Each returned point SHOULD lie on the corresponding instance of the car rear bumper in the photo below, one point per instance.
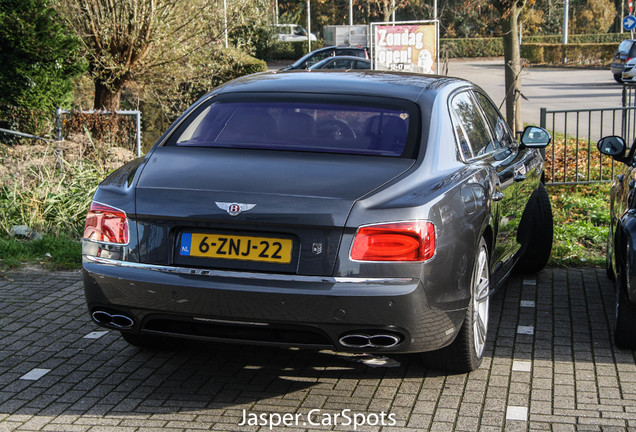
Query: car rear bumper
(344, 314)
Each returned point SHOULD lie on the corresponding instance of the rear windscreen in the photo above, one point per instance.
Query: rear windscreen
(300, 126)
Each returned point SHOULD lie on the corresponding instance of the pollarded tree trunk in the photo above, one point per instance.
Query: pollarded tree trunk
(512, 57)
(107, 97)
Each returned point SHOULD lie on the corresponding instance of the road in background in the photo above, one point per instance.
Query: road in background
(544, 87)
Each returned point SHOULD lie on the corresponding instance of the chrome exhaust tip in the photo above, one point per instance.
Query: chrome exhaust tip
(118, 321)
(363, 340)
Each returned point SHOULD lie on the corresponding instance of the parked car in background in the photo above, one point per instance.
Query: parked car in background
(323, 53)
(621, 256)
(626, 51)
(363, 212)
(292, 33)
(629, 73)
(342, 62)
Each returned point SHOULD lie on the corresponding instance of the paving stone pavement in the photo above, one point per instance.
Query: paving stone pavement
(550, 366)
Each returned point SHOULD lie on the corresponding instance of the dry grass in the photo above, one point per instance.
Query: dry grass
(48, 186)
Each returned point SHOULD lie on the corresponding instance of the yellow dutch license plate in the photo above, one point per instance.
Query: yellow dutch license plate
(247, 248)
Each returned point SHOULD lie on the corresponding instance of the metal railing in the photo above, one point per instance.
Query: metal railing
(573, 158)
(58, 117)
(59, 112)
(23, 135)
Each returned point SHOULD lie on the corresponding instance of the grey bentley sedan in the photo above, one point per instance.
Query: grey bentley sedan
(363, 212)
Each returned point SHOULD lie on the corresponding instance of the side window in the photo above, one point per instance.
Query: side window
(498, 125)
(317, 57)
(340, 64)
(469, 119)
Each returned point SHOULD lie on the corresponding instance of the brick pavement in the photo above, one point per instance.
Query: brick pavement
(550, 366)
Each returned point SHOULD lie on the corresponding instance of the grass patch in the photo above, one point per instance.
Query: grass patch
(52, 252)
(48, 187)
(581, 221)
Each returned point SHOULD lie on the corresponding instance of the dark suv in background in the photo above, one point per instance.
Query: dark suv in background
(322, 53)
(626, 51)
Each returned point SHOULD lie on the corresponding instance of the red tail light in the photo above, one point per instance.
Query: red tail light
(400, 241)
(106, 224)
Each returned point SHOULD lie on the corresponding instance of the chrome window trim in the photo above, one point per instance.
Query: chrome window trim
(245, 275)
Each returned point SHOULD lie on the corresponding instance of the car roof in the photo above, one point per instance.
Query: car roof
(344, 57)
(350, 82)
(339, 57)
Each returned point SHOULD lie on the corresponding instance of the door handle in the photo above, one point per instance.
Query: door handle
(519, 178)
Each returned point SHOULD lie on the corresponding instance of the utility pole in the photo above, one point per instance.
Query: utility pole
(309, 25)
(225, 20)
(566, 14)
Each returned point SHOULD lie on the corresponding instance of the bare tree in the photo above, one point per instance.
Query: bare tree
(387, 7)
(127, 39)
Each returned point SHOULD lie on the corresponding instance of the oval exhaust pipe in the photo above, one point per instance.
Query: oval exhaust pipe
(361, 340)
(112, 320)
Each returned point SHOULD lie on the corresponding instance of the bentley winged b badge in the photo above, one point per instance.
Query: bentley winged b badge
(234, 209)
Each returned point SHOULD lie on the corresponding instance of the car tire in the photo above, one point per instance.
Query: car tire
(625, 324)
(466, 352)
(618, 78)
(536, 232)
(152, 341)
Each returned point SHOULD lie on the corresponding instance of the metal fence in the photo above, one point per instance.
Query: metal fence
(573, 157)
(59, 126)
(60, 112)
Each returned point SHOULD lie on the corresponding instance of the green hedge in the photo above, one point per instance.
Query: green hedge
(473, 47)
(587, 49)
(590, 49)
(578, 39)
(593, 54)
(233, 63)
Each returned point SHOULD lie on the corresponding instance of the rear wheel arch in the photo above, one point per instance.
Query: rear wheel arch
(489, 237)
(466, 352)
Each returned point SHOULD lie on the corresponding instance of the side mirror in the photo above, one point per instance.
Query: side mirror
(613, 146)
(535, 137)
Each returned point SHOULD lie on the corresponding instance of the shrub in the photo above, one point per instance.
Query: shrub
(598, 54)
(474, 47)
(279, 50)
(539, 47)
(39, 57)
(49, 187)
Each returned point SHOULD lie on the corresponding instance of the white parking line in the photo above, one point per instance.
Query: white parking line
(521, 366)
(35, 374)
(525, 330)
(95, 334)
(517, 413)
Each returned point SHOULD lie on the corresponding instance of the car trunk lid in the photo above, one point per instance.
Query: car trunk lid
(248, 197)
